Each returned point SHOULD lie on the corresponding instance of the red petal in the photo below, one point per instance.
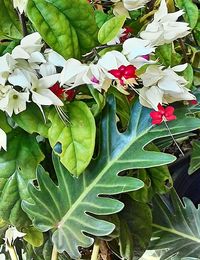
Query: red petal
(129, 72)
(116, 73)
(193, 102)
(71, 93)
(122, 68)
(156, 115)
(157, 121)
(170, 118)
(161, 109)
(169, 111)
(57, 90)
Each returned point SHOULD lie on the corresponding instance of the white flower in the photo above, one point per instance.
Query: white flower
(119, 9)
(52, 60)
(72, 73)
(3, 140)
(163, 86)
(134, 4)
(136, 49)
(20, 4)
(41, 94)
(112, 60)
(14, 101)
(7, 64)
(29, 48)
(122, 8)
(164, 28)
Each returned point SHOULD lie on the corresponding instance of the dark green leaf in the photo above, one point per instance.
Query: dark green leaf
(195, 157)
(176, 229)
(68, 27)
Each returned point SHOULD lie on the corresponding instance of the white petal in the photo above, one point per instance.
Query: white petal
(180, 68)
(3, 140)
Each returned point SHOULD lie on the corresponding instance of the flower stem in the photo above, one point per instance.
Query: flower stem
(12, 252)
(95, 250)
(54, 255)
(182, 45)
(23, 23)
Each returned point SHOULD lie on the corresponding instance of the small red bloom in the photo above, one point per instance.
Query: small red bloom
(57, 90)
(126, 34)
(63, 93)
(124, 72)
(193, 102)
(163, 114)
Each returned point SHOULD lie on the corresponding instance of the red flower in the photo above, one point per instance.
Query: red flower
(163, 114)
(126, 34)
(57, 90)
(63, 93)
(124, 72)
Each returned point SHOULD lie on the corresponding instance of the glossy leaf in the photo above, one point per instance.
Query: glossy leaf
(176, 228)
(64, 208)
(110, 29)
(191, 11)
(17, 166)
(32, 121)
(68, 27)
(9, 23)
(76, 139)
(167, 56)
(33, 236)
(195, 157)
(3, 123)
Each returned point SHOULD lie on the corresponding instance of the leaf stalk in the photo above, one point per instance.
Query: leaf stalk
(95, 251)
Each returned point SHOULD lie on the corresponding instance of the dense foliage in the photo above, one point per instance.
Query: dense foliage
(97, 99)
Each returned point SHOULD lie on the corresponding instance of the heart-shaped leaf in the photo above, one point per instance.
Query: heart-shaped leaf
(68, 27)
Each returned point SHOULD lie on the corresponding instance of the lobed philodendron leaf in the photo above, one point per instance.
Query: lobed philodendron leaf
(66, 208)
(176, 228)
(74, 142)
(17, 166)
(68, 27)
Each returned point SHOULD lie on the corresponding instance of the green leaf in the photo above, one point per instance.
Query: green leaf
(32, 121)
(33, 236)
(188, 75)
(99, 101)
(9, 24)
(195, 157)
(110, 29)
(123, 106)
(3, 123)
(167, 56)
(136, 218)
(68, 27)
(62, 208)
(191, 11)
(176, 228)
(17, 166)
(101, 17)
(76, 139)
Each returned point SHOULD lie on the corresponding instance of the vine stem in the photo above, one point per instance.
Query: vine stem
(54, 255)
(95, 250)
(12, 252)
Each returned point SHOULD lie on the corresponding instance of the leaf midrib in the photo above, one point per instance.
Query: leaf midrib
(96, 180)
(175, 232)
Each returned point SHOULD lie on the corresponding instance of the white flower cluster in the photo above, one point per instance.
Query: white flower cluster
(27, 74)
